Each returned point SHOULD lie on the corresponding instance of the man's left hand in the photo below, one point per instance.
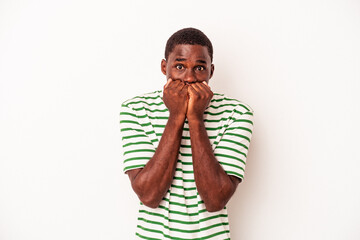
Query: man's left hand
(199, 98)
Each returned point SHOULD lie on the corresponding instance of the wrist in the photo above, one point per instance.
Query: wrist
(177, 119)
(195, 118)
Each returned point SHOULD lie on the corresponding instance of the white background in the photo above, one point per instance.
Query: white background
(66, 67)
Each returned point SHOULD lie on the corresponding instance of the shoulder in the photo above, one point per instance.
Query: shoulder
(144, 99)
(230, 103)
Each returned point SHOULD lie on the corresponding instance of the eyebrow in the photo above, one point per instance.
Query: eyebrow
(184, 59)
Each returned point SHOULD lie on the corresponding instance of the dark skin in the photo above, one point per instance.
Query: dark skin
(186, 95)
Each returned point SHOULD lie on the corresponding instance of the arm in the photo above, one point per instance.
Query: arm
(153, 181)
(214, 185)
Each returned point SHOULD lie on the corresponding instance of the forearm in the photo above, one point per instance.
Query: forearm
(214, 185)
(154, 180)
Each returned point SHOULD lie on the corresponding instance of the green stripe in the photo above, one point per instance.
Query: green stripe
(149, 104)
(182, 187)
(209, 128)
(126, 103)
(159, 117)
(182, 230)
(185, 146)
(237, 143)
(133, 167)
(216, 120)
(137, 158)
(150, 110)
(228, 156)
(182, 213)
(182, 196)
(185, 154)
(243, 113)
(137, 130)
(136, 143)
(184, 180)
(144, 237)
(134, 122)
(218, 113)
(159, 126)
(185, 163)
(128, 113)
(237, 135)
(184, 171)
(145, 116)
(139, 150)
(242, 128)
(183, 205)
(224, 105)
(129, 121)
(180, 221)
(131, 129)
(176, 238)
(231, 149)
(134, 136)
(231, 165)
(244, 120)
(235, 173)
(230, 99)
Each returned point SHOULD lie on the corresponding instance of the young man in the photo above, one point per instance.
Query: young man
(185, 147)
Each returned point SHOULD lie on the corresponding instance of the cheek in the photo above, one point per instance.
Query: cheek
(174, 74)
(204, 75)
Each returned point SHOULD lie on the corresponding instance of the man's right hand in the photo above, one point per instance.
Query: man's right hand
(160, 169)
(176, 98)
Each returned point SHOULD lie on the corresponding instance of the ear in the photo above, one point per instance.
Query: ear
(212, 70)
(163, 66)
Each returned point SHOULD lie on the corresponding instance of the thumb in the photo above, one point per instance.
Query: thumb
(168, 82)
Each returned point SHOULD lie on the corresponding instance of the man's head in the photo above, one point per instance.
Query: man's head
(188, 56)
(190, 36)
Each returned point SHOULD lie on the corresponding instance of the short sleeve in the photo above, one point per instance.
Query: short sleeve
(137, 146)
(232, 149)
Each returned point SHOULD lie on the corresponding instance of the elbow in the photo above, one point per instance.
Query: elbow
(150, 202)
(218, 200)
(150, 199)
(214, 206)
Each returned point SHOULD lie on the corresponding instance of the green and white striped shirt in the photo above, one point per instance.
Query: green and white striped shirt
(182, 213)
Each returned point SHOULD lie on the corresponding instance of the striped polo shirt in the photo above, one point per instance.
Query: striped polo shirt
(182, 213)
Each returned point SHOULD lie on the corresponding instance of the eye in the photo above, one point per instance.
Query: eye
(179, 66)
(200, 68)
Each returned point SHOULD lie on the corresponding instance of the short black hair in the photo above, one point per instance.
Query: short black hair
(190, 36)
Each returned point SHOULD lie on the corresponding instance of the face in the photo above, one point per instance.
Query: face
(188, 63)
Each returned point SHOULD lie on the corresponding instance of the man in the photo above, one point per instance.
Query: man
(185, 147)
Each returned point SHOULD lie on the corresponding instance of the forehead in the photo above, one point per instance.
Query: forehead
(190, 52)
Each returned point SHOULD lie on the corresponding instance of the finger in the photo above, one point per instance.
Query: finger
(192, 90)
(203, 90)
(197, 87)
(203, 85)
(168, 82)
(174, 84)
(206, 84)
(182, 86)
(177, 84)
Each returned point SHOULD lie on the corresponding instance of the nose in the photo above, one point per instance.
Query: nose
(190, 77)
